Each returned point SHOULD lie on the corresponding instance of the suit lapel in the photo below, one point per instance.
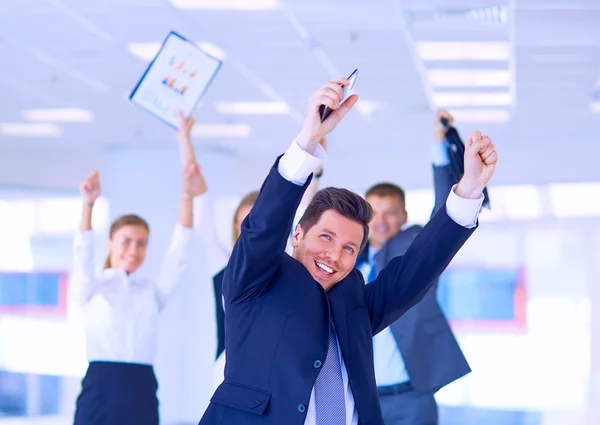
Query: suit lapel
(382, 257)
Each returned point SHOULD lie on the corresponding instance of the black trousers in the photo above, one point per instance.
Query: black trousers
(117, 394)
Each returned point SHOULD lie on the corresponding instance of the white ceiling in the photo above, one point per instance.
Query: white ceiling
(73, 54)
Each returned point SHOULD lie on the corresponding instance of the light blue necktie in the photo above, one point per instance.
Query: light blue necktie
(330, 401)
(373, 273)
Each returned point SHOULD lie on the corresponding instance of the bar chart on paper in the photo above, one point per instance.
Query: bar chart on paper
(175, 80)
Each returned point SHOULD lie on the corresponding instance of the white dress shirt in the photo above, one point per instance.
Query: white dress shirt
(390, 368)
(296, 165)
(121, 311)
(216, 251)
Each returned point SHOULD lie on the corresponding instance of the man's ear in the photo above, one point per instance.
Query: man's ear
(405, 218)
(297, 236)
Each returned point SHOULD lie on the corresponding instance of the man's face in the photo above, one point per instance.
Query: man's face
(389, 216)
(328, 249)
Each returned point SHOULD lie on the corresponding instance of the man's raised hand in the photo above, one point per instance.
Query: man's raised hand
(480, 162)
(330, 95)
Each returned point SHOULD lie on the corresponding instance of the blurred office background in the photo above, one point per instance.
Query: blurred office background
(523, 295)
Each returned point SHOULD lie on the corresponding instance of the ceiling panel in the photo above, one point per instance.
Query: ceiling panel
(69, 53)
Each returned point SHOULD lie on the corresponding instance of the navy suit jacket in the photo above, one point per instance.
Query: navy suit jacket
(220, 312)
(430, 351)
(277, 321)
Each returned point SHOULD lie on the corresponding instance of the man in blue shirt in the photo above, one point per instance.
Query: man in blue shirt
(417, 354)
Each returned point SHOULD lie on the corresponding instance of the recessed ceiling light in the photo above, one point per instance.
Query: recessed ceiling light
(595, 106)
(368, 107)
(58, 115)
(212, 49)
(226, 4)
(221, 130)
(144, 51)
(481, 115)
(468, 50)
(492, 15)
(449, 99)
(30, 129)
(468, 78)
(148, 51)
(253, 108)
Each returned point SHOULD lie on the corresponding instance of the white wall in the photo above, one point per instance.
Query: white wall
(548, 366)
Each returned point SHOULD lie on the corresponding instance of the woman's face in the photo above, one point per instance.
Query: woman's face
(127, 248)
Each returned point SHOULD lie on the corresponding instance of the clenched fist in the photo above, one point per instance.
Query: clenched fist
(90, 187)
(480, 162)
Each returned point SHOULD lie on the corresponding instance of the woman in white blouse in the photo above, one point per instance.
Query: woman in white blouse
(121, 309)
(217, 252)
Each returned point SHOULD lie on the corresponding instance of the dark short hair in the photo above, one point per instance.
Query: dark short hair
(383, 190)
(344, 202)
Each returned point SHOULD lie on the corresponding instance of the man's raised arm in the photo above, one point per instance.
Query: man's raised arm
(406, 279)
(444, 178)
(260, 248)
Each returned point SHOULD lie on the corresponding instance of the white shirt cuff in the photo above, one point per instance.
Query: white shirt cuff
(463, 211)
(296, 164)
(198, 204)
(182, 235)
(199, 201)
(84, 238)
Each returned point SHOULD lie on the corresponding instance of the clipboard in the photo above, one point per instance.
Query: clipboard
(175, 80)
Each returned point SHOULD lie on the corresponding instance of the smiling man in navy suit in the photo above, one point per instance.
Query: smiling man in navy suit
(299, 328)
